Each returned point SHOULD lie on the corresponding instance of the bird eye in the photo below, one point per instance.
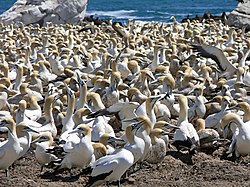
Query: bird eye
(80, 128)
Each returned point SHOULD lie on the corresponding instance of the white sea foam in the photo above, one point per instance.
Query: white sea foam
(118, 14)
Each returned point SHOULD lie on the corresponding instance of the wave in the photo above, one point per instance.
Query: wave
(118, 14)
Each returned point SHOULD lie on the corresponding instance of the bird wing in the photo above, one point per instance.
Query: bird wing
(119, 31)
(214, 53)
(105, 167)
(2, 153)
(69, 146)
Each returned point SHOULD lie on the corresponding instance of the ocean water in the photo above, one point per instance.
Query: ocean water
(149, 10)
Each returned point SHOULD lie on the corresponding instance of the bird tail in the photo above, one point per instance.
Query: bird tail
(97, 180)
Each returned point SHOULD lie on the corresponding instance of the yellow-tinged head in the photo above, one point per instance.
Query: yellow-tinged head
(228, 119)
(82, 129)
(22, 104)
(200, 124)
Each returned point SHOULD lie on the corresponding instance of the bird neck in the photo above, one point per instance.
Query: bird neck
(12, 130)
(246, 114)
(83, 96)
(183, 115)
(129, 135)
(71, 105)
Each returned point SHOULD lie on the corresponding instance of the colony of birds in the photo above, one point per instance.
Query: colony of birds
(106, 98)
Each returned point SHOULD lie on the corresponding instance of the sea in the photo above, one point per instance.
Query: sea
(149, 10)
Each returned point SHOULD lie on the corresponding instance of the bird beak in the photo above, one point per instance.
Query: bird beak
(68, 90)
(115, 139)
(133, 120)
(39, 139)
(136, 126)
(170, 126)
(166, 133)
(31, 130)
(79, 79)
(236, 107)
(150, 75)
(56, 98)
(74, 131)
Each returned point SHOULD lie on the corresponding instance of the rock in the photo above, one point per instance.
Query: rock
(131, 180)
(42, 11)
(241, 15)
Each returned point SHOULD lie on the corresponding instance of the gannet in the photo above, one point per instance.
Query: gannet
(112, 94)
(186, 134)
(246, 109)
(35, 82)
(143, 132)
(94, 101)
(135, 95)
(135, 144)
(125, 110)
(213, 120)
(9, 151)
(108, 140)
(49, 124)
(240, 143)
(82, 100)
(67, 122)
(34, 111)
(158, 149)
(110, 167)
(100, 126)
(24, 137)
(208, 137)
(218, 56)
(43, 142)
(147, 108)
(45, 74)
(78, 155)
(198, 110)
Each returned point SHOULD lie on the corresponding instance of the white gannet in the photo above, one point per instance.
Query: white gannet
(24, 137)
(143, 132)
(78, 155)
(186, 134)
(110, 167)
(125, 110)
(82, 100)
(94, 102)
(9, 151)
(67, 122)
(34, 111)
(112, 94)
(135, 144)
(198, 110)
(241, 141)
(107, 140)
(147, 108)
(43, 142)
(213, 120)
(49, 124)
(35, 82)
(100, 126)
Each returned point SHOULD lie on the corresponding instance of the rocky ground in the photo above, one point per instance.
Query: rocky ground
(177, 169)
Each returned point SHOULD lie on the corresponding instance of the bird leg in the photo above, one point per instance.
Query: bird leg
(7, 172)
(119, 183)
(70, 173)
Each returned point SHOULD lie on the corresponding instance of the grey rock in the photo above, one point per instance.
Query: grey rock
(42, 11)
(241, 15)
